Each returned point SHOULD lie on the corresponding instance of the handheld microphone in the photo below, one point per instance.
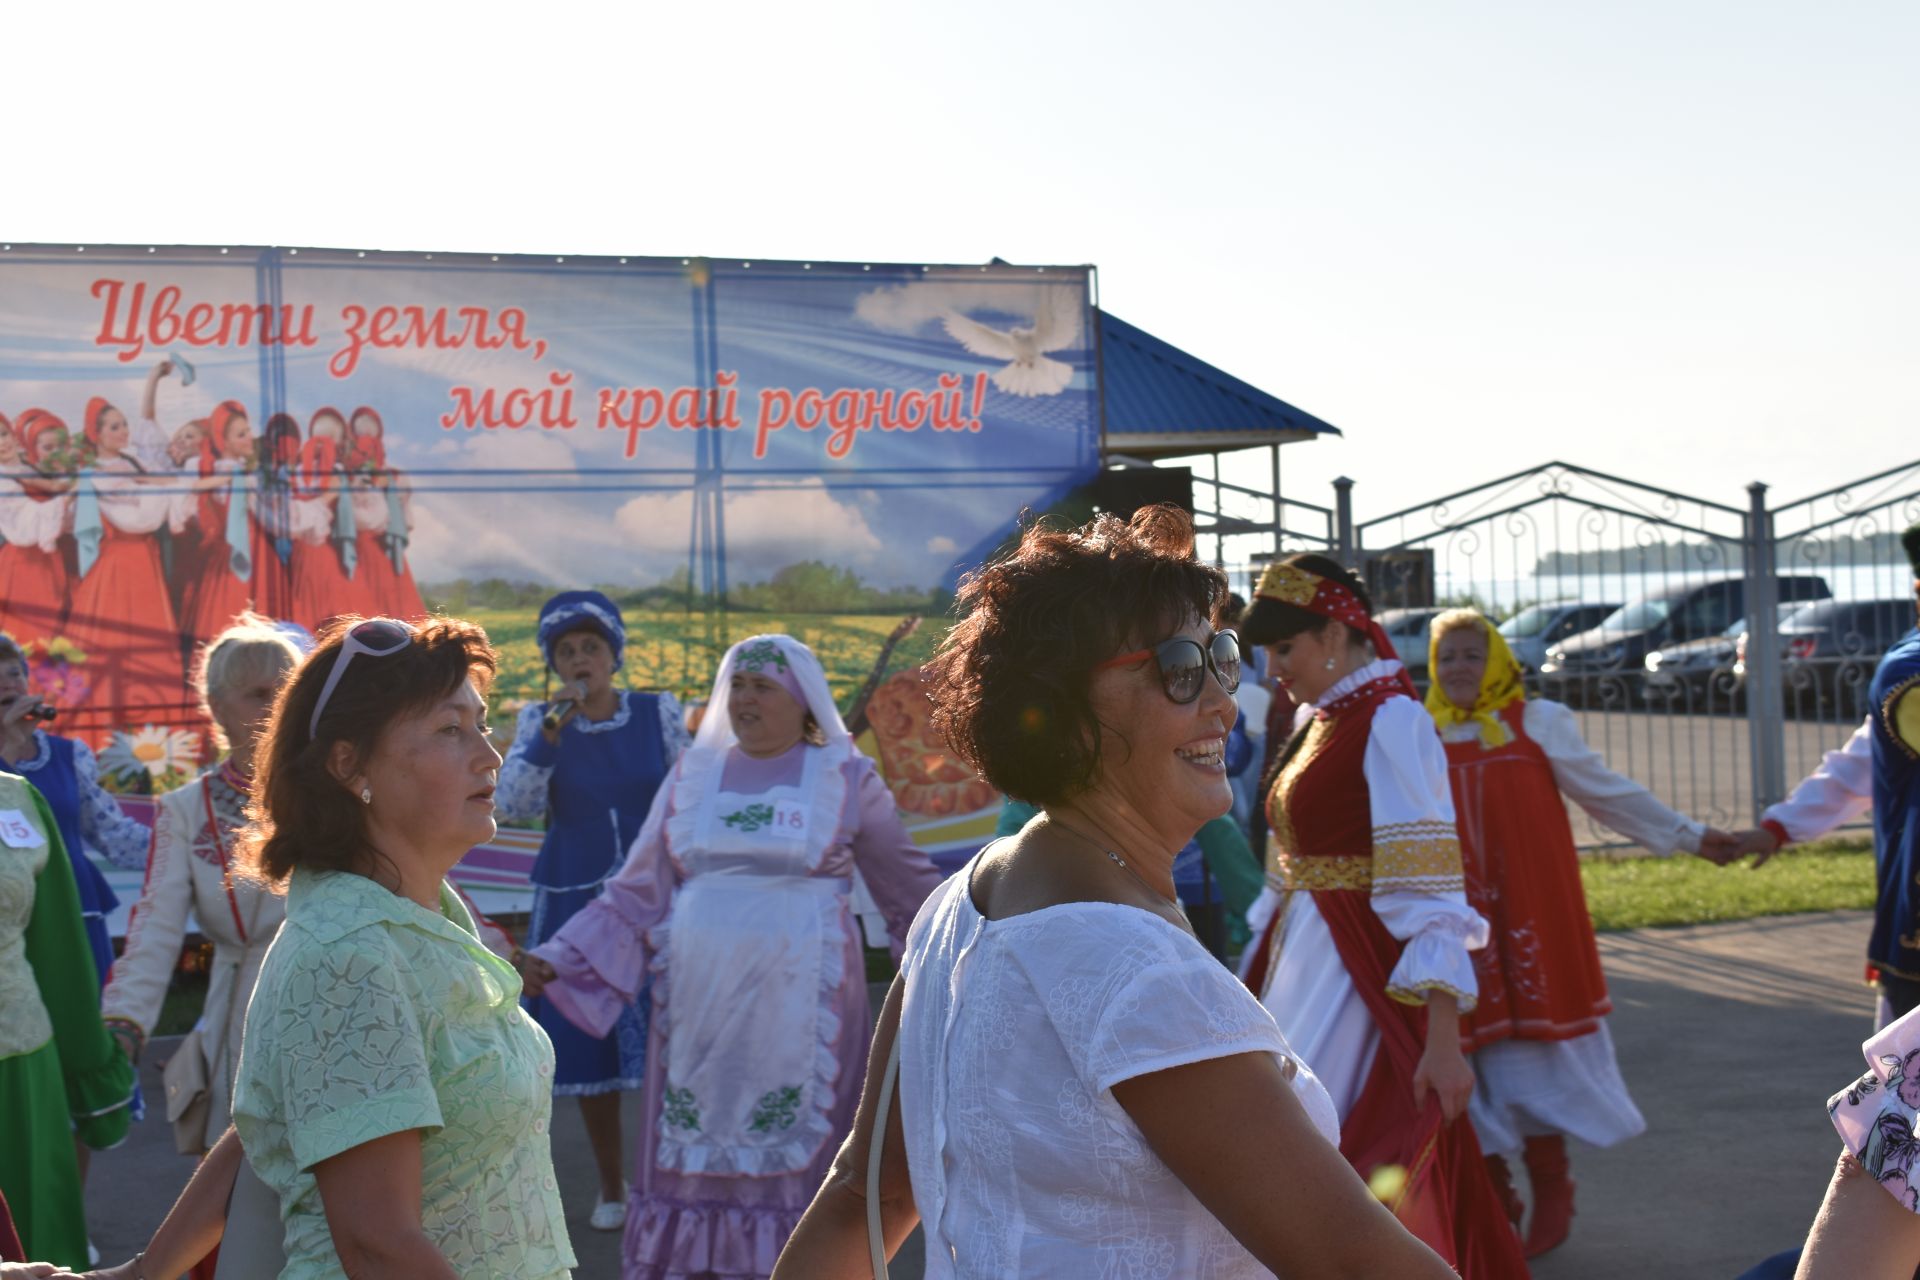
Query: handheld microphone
(42, 713)
(558, 711)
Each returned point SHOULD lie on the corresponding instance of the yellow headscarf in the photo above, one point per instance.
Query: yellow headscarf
(1500, 684)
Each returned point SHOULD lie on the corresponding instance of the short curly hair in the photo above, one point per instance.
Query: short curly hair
(300, 815)
(1011, 683)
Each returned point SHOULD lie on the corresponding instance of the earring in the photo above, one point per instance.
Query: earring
(1330, 664)
(366, 795)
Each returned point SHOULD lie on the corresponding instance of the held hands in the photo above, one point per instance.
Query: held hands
(1719, 847)
(1444, 1070)
(1759, 842)
(535, 973)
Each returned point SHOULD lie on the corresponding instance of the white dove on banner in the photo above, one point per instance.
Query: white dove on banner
(1028, 371)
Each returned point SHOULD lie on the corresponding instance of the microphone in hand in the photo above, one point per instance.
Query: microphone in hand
(563, 706)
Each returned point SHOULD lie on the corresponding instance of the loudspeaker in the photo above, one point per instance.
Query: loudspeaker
(1125, 490)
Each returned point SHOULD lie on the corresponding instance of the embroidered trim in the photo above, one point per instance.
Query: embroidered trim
(1340, 871)
(679, 1109)
(1280, 799)
(1890, 716)
(1421, 855)
(1416, 994)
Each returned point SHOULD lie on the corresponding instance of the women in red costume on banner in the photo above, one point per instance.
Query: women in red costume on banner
(122, 618)
(279, 457)
(1363, 932)
(379, 497)
(222, 587)
(34, 512)
(321, 587)
(1543, 1060)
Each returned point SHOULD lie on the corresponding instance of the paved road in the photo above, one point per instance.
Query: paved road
(1732, 1037)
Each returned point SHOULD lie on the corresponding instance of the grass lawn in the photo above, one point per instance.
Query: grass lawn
(1639, 893)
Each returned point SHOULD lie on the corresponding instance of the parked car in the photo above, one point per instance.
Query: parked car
(1607, 664)
(1698, 675)
(1537, 628)
(1829, 650)
(1407, 628)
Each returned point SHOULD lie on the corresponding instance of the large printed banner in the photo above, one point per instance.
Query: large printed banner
(723, 446)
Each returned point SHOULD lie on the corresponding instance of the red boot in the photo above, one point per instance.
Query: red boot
(1552, 1194)
(1502, 1178)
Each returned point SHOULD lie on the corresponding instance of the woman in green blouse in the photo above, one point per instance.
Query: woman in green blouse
(60, 1073)
(391, 1090)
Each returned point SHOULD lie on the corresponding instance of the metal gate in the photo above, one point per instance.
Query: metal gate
(1738, 640)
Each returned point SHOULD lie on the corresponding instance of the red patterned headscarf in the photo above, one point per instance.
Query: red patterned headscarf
(219, 420)
(32, 428)
(91, 423)
(1329, 598)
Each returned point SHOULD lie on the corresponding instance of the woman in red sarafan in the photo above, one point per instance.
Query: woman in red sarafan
(279, 458)
(121, 616)
(34, 513)
(322, 588)
(380, 513)
(1543, 1059)
(222, 589)
(1363, 933)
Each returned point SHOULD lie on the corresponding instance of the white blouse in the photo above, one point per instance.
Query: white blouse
(1013, 1034)
(27, 521)
(1614, 800)
(1836, 793)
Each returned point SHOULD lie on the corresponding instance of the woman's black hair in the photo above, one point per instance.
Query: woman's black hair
(1267, 621)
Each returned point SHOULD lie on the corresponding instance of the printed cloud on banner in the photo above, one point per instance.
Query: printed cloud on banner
(763, 527)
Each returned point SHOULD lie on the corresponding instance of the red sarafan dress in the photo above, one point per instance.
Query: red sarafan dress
(1539, 975)
(34, 581)
(321, 588)
(386, 587)
(222, 587)
(1364, 914)
(121, 618)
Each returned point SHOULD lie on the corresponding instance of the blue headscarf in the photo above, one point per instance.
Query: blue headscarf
(572, 610)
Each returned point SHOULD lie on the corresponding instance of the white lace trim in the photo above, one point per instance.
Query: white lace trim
(1378, 669)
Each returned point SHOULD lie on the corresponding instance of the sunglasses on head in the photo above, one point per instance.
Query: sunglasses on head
(1184, 664)
(377, 638)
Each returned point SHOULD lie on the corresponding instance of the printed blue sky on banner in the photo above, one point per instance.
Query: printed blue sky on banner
(903, 508)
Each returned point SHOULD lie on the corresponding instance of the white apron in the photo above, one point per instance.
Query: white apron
(753, 957)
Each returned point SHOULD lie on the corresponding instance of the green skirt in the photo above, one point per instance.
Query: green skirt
(38, 1171)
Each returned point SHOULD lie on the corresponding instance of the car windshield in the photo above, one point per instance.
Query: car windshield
(1641, 615)
(1530, 621)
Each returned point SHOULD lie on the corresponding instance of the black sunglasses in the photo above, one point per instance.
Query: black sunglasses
(1184, 663)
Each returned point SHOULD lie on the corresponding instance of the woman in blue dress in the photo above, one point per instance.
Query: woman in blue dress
(589, 760)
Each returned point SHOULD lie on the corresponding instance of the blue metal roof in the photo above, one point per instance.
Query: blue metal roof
(1158, 399)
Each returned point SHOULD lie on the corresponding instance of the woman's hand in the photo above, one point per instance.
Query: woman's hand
(535, 973)
(1443, 1069)
(128, 1036)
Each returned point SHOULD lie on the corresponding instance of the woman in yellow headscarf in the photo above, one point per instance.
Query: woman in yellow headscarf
(1543, 1061)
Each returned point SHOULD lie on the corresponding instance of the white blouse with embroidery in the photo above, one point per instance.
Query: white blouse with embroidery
(1308, 990)
(1013, 1034)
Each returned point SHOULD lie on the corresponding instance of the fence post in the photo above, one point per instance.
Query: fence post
(1766, 712)
(1344, 550)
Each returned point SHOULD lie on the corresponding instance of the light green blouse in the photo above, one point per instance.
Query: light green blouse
(373, 1016)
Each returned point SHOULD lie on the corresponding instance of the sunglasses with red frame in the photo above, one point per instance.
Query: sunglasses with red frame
(1184, 664)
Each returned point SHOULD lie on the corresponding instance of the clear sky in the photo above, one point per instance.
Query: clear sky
(1675, 239)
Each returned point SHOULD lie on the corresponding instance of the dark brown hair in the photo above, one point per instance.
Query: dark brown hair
(1010, 684)
(301, 815)
(1267, 621)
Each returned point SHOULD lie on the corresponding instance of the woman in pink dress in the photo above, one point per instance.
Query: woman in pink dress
(121, 616)
(324, 546)
(380, 510)
(222, 589)
(34, 511)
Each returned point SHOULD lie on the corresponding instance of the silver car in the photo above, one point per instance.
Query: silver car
(1537, 628)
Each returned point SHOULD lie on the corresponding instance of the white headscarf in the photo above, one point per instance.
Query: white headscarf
(790, 660)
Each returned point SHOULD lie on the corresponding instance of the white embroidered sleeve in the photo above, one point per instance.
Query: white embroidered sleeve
(521, 795)
(159, 921)
(673, 727)
(1834, 794)
(103, 823)
(1419, 886)
(1614, 800)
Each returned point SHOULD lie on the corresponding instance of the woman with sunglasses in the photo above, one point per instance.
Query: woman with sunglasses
(392, 1092)
(1363, 934)
(736, 900)
(1083, 1090)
